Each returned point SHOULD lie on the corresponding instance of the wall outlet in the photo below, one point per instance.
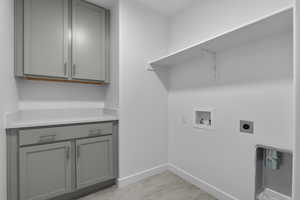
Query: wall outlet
(246, 127)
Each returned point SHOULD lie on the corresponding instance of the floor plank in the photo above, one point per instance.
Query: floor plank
(164, 186)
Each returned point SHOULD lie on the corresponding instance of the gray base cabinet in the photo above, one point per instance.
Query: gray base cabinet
(94, 161)
(45, 171)
(54, 162)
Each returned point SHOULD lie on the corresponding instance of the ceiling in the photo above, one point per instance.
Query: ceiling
(104, 3)
(167, 7)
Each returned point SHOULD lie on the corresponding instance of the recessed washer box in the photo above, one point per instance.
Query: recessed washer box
(274, 173)
(204, 118)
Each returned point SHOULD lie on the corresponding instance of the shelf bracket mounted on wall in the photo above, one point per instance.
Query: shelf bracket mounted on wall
(211, 55)
(150, 68)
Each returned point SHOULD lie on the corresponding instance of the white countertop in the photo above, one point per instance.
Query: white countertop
(36, 118)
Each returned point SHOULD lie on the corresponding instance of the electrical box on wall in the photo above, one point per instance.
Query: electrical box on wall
(204, 118)
(246, 127)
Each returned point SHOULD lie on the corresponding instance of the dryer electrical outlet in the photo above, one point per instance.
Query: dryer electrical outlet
(246, 127)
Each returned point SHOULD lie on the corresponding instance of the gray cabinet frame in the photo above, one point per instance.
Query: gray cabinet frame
(60, 151)
(13, 161)
(87, 177)
(19, 53)
(99, 72)
(39, 16)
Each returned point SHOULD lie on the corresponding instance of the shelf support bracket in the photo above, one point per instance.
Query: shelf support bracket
(150, 68)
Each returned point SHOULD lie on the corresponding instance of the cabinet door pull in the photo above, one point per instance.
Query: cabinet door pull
(96, 132)
(73, 69)
(66, 68)
(47, 138)
(78, 151)
(68, 153)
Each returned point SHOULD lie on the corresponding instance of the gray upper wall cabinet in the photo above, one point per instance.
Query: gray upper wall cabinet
(89, 41)
(45, 37)
(62, 40)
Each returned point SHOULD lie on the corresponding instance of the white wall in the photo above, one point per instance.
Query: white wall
(254, 83)
(112, 93)
(8, 97)
(296, 102)
(207, 18)
(50, 91)
(143, 98)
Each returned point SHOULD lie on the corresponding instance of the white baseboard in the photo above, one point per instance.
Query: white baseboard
(214, 191)
(142, 175)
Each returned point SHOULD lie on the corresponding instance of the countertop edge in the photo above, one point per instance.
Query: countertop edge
(20, 125)
(58, 117)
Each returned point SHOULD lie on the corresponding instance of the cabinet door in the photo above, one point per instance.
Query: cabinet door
(89, 41)
(46, 38)
(45, 171)
(94, 161)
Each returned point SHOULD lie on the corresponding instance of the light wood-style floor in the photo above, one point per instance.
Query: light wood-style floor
(165, 186)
